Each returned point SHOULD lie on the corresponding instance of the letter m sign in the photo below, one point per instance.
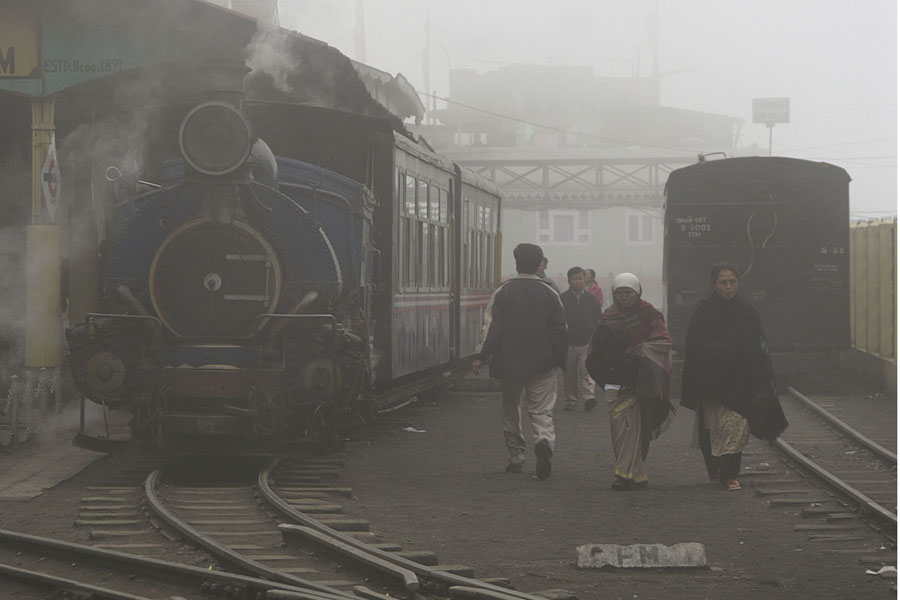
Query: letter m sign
(8, 61)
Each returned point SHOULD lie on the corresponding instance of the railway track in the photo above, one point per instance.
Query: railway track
(839, 485)
(288, 526)
(859, 469)
(281, 534)
(76, 569)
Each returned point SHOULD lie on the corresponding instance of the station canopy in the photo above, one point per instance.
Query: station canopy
(59, 47)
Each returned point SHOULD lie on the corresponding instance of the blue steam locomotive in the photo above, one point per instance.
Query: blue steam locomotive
(293, 270)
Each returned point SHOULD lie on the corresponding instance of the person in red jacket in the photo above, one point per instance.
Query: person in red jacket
(590, 285)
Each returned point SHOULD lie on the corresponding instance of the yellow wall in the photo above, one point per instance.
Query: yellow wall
(43, 327)
(873, 287)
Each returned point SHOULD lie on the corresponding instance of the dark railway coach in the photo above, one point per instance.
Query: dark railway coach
(784, 223)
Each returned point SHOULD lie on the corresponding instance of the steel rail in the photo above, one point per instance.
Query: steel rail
(866, 504)
(422, 571)
(314, 590)
(846, 429)
(196, 575)
(462, 591)
(61, 584)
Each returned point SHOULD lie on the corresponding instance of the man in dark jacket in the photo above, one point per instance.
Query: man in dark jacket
(582, 313)
(542, 273)
(526, 341)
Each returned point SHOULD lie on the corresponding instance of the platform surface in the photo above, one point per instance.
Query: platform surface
(433, 479)
(28, 469)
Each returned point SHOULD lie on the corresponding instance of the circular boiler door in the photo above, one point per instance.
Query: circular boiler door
(212, 279)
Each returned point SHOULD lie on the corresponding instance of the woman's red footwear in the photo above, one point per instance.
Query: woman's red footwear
(732, 484)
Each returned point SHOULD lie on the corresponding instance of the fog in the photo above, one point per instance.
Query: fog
(835, 59)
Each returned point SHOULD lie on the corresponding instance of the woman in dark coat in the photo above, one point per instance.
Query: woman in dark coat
(727, 378)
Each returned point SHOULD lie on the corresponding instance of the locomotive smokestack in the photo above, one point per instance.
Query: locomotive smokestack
(223, 81)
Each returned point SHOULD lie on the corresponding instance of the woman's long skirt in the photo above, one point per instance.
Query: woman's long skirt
(721, 434)
(625, 426)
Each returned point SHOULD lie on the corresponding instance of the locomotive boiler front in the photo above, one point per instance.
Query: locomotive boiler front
(211, 279)
(209, 285)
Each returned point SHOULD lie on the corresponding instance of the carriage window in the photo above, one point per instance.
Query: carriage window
(423, 200)
(422, 280)
(403, 254)
(434, 279)
(479, 268)
(413, 251)
(442, 257)
(492, 266)
(446, 257)
(486, 267)
(464, 272)
(485, 260)
(410, 194)
(488, 260)
(434, 203)
(473, 266)
(442, 196)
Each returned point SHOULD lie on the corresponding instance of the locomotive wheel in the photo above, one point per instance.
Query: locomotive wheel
(104, 373)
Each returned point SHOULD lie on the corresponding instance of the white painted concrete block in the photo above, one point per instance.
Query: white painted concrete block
(597, 556)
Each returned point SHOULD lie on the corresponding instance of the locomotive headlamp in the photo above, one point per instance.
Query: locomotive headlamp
(215, 138)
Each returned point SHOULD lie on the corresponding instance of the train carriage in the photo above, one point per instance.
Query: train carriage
(424, 210)
(479, 255)
(783, 222)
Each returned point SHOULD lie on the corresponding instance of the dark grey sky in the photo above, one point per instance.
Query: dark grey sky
(835, 59)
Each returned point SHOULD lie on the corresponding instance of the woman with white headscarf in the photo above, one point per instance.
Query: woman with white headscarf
(630, 361)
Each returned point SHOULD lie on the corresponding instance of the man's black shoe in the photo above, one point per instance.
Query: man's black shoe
(514, 468)
(590, 404)
(543, 453)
